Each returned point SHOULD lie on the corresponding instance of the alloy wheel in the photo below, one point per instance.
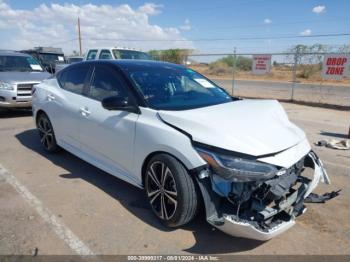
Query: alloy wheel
(161, 190)
(46, 133)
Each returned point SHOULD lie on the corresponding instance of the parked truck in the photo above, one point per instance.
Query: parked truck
(48, 57)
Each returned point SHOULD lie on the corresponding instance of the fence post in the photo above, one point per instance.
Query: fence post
(233, 71)
(294, 80)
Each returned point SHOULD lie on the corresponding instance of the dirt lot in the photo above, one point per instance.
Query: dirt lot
(62, 205)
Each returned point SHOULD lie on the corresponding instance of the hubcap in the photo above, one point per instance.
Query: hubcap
(45, 132)
(161, 190)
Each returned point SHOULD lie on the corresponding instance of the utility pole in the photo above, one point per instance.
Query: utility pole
(79, 36)
(233, 70)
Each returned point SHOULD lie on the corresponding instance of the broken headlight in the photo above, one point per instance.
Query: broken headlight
(237, 168)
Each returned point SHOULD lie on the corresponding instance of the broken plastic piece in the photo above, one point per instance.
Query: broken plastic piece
(315, 198)
(335, 144)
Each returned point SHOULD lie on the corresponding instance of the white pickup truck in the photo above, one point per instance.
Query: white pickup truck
(115, 53)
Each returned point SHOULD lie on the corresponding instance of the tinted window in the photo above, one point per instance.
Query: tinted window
(73, 79)
(91, 55)
(106, 83)
(105, 54)
(51, 58)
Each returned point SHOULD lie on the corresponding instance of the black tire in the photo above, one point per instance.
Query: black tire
(176, 185)
(46, 133)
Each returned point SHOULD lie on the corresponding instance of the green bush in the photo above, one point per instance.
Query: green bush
(243, 63)
(177, 56)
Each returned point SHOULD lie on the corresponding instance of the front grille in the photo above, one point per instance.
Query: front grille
(24, 89)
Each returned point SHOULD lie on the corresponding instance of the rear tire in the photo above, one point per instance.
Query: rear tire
(46, 133)
(170, 190)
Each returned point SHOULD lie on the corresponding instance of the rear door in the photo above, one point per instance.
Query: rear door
(65, 104)
(108, 136)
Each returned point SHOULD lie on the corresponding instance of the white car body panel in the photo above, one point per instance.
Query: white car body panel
(243, 126)
(288, 157)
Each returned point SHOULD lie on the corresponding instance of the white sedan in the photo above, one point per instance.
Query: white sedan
(168, 129)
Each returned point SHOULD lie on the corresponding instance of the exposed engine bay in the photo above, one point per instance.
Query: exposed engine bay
(262, 209)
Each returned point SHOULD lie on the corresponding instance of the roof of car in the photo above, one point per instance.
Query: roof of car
(138, 63)
(12, 53)
(126, 64)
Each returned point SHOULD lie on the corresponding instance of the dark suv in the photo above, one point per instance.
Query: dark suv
(48, 57)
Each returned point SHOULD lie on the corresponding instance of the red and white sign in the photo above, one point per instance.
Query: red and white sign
(335, 66)
(261, 64)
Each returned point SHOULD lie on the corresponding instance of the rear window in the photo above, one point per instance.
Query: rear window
(91, 55)
(105, 54)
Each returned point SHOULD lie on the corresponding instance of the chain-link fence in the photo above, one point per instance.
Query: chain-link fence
(292, 77)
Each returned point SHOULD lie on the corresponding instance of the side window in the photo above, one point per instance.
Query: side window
(105, 54)
(73, 79)
(91, 55)
(106, 83)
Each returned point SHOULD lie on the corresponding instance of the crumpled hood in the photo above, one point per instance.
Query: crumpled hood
(22, 77)
(253, 127)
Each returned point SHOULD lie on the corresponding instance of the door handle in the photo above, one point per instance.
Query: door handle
(50, 97)
(85, 111)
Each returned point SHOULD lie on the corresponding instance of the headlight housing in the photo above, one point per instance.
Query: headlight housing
(237, 168)
(6, 86)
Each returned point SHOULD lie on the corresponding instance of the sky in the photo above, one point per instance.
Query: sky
(250, 26)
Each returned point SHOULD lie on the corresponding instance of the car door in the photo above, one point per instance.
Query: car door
(65, 104)
(107, 136)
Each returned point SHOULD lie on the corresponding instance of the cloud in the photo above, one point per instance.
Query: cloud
(267, 21)
(319, 9)
(150, 9)
(306, 32)
(101, 25)
(186, 26)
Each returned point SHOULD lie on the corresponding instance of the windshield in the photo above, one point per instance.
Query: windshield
(19, 63)
(176, 88)
(49, 58)
(130, 54)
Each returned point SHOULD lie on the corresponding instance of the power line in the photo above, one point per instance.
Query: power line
(220, 39)
(276, 24)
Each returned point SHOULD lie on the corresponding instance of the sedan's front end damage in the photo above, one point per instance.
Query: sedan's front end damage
(257, 175)
(261, 206)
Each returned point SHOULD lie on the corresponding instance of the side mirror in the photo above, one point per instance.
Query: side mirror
(119, 103)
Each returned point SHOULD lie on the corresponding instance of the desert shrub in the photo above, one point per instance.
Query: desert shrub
(177, 56)
(306, 71)
(243, 63)
(218, 68)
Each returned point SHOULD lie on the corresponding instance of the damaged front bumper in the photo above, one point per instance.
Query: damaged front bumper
(268, 208)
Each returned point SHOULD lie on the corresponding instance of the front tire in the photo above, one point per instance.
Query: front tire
(170, 191)
(46, 133)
